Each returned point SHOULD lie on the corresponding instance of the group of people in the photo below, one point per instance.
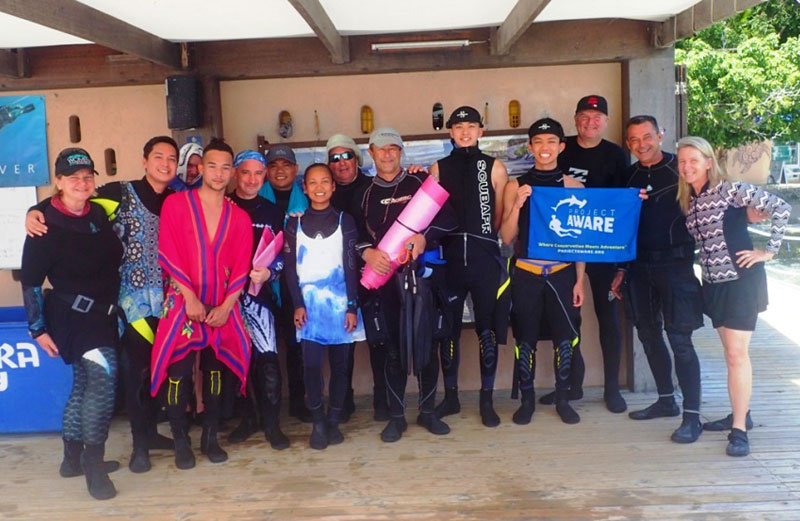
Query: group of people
(168, 277)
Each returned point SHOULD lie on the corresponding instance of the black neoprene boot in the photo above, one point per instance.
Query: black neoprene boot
(269, 388)
(564, 409)
(430, 421)
(450, 404)
(246, 428)
(394, 430)
(349, 407)
(97, 480)
(524, 414)
(689, 430)
(210, 446)
(140, 457)
(664, 407)
(184, 457)
(71, 464)
(380, 404)
(319, 432)
(489, 418)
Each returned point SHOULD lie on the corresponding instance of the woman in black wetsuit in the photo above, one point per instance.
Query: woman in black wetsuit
(80, 256)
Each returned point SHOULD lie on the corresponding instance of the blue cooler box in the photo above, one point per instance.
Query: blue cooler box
(33, 386)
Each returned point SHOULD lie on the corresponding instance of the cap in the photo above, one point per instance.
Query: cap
(70, 160)
(281, 152)
(546, 126)
(386, 136)
(340, 140)
(465, 114)
(592, 102)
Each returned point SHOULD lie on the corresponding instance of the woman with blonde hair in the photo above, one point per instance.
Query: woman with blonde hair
(734, 280)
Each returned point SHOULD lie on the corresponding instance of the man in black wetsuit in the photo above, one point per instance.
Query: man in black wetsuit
(542, 290)
(475, 182)
(381, 203)
(663, 292)
(259, 310)
(134, 208)
(283, 189)
(597, 163)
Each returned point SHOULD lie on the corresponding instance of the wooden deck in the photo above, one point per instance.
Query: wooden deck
(606, 467)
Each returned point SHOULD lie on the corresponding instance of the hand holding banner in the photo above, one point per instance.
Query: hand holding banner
(589, 224)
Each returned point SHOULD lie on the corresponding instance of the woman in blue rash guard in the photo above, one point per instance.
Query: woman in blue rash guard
(322, 275)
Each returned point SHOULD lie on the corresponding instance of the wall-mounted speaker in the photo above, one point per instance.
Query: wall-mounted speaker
(184, 103)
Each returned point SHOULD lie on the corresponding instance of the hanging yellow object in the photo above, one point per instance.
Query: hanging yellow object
(514, 113)
(367, 119)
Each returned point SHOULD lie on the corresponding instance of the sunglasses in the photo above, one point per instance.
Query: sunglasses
(344, 156)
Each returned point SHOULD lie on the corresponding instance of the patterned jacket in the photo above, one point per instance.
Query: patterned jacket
(717, 219)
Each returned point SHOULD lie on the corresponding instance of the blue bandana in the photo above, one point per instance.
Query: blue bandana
(247, 155)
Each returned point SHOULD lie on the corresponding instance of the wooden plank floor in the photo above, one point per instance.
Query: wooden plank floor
(606, 467)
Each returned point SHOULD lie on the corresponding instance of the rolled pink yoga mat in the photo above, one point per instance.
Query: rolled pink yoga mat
(415, 217)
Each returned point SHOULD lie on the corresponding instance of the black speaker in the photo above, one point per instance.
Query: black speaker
(184, 103)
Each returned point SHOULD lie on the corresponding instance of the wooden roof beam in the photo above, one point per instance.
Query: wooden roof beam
(696, 18)
(516, 23)
(77, 19)
(319, 21)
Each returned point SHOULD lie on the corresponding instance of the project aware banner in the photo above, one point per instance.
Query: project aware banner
(583, 224)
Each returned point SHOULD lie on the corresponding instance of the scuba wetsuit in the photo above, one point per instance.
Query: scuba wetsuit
(541, 292)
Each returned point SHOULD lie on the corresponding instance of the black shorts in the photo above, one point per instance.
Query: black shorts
(736, 304)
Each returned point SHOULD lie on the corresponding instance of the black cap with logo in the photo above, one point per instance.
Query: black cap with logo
(465, 114)
(546, 126)
(70, 160)
(592, 102)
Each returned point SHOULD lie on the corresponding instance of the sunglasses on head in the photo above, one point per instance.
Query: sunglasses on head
(335, 158)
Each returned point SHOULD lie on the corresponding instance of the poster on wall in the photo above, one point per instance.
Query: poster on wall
(511, 150)
(23, 141)
(14, 204)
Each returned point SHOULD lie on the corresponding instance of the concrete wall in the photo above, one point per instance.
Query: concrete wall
(404, 101)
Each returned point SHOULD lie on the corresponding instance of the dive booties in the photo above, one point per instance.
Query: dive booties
(564, 409)
(665, 407)
(524, 414)
(210, 446)
(450, 404)
(140, 460)
(738, 444)
(97, 480)
(430, 421)
(71, 465)
(394, 430)
(246, 428)
(726, 423)
(489, 418)
(689, 430)
(319, 432)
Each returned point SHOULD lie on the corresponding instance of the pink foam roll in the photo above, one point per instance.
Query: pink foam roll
(415, 217)
(268, 249)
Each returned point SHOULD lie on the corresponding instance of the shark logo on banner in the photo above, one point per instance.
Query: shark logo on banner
(590, 224)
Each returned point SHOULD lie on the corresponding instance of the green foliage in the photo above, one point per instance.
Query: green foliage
(744, 76)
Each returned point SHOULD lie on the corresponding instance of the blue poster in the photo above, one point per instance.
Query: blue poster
(584, 224)
(23, 141)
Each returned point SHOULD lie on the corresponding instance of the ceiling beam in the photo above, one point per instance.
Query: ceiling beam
(696, 18)
(77, 19)
(319, 21)
(516, 23)
(552, 43)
